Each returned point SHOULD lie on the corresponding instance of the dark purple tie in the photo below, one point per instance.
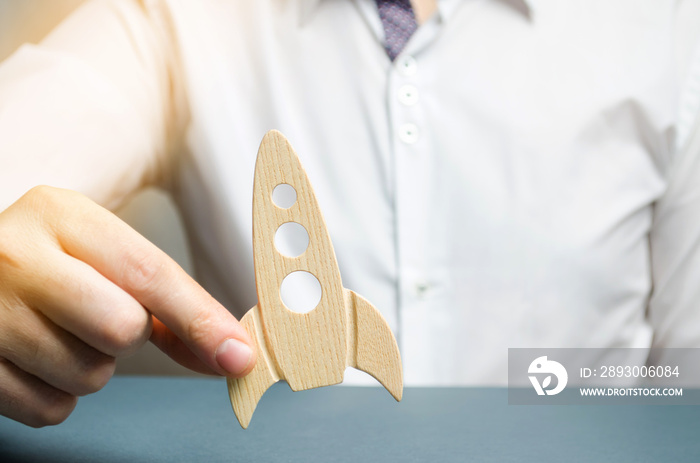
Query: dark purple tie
(399, 24)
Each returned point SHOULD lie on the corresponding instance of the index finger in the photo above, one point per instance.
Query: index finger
(94, 235)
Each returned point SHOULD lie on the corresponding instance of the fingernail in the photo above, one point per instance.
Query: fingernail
(234, 356)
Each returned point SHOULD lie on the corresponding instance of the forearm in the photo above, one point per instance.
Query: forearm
(90, 108)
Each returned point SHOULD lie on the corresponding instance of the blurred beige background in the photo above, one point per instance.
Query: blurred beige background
(151, 212)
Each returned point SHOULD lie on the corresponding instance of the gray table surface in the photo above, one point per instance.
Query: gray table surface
(165, 419)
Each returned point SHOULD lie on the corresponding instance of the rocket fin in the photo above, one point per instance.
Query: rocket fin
(372, 347)
(246, 392)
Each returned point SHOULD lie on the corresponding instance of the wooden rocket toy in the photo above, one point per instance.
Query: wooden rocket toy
(312, 349)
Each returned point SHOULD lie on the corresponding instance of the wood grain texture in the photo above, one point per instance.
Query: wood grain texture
(246, 392)
(371, 344)
(310, 349)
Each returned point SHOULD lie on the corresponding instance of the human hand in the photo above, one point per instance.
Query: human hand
(78, 288)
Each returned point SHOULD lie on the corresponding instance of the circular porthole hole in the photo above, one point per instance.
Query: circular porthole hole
(284, 195)
(291, 239)
(300, 291)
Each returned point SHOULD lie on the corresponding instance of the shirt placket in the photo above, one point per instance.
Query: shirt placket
(414, 174)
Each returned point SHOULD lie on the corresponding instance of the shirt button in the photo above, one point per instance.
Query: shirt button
(408, 95)
(421, 289)
(406, 65)
(408, 133)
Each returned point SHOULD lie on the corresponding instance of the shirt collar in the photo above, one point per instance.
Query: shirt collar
(445, 8)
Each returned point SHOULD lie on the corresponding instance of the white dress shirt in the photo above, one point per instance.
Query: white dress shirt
(525, 174)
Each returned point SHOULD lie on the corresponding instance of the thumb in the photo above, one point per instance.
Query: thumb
(232, 354)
